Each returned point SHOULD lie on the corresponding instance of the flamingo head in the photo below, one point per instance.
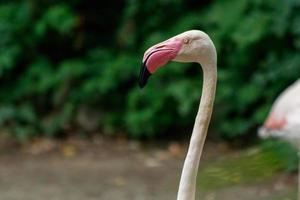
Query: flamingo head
(190, 46)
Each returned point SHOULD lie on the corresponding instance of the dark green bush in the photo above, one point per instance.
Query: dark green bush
(67, 66)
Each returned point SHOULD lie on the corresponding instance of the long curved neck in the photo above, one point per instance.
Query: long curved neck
(187, 186)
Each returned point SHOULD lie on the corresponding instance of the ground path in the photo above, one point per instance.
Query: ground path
(104, 169)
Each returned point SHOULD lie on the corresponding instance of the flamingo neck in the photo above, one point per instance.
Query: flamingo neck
(187, 186)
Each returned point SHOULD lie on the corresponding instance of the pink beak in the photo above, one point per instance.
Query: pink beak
(274, 122)
(158, 56)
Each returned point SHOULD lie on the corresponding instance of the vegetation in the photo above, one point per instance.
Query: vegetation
(73, 65)
(254, 165)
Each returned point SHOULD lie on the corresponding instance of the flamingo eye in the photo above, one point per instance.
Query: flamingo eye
(186, 40)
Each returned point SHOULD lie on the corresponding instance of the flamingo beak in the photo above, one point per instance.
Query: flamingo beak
(144, 75)
(157, 56)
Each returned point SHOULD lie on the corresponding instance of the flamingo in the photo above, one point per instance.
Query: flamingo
(190, 46)
(284, 120)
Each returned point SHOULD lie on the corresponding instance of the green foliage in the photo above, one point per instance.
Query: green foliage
(283, 151)
(253, 165)
(58, 17)
(57, 58)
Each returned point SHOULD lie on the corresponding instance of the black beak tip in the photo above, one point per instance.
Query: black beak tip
(141, 84)
(144, 76)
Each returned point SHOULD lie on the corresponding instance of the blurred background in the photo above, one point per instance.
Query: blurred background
(75, 125)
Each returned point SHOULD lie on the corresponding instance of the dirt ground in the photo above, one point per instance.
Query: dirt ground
(109, 169)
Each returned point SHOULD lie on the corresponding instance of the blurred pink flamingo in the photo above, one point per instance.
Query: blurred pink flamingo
(190, 46)
(284, 119)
